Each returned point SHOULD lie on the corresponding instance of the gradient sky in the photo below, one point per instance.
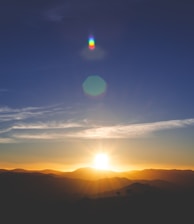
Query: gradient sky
(132, 97)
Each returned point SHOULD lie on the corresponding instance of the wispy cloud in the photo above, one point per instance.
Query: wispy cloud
(18, 124)
(132, 130)
(6, 140)
(48, 125)
(38, 136)
(4, 130)
(82, 131)
(11, 114)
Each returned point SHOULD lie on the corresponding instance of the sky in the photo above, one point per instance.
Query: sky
(131, 97)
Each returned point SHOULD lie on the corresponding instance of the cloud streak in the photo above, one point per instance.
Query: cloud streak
(49, 125)
(44, 131)
(39, 123)
(6, 140)
(132, 130)
(15, 114)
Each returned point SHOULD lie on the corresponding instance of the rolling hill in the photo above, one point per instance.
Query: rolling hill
(91, 196)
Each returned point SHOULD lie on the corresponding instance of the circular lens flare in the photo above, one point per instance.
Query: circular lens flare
(94, 85)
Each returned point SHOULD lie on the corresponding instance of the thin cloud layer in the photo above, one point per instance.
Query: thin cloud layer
(39, 123)
(80, 130)
(49, 125)
(132, 130)
(6, 140)
(14, 114)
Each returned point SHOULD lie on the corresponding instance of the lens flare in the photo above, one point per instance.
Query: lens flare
(91, 42)
(94, 85)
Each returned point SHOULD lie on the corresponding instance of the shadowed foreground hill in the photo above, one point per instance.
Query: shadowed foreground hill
(86, 173)
(50, 197)
(182, 177)
(32, 184)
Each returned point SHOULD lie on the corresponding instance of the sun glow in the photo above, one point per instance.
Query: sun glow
(101, 161)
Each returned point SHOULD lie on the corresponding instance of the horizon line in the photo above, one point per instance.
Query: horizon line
(92, 168)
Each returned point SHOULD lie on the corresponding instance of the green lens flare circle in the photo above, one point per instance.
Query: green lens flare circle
(94, 85)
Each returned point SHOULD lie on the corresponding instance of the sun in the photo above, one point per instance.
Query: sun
(101, 161)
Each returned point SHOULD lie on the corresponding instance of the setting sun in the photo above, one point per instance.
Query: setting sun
(101, 161)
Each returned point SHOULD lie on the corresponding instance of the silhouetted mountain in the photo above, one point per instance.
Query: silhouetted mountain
(3, 170)
(181, 177)
(52, 197)
(51, 185)
(88, 173)
(48, 171)
(91, 182)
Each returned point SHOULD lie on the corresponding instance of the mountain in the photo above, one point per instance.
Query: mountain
(49, 196)
(91, 182)
(36, 184)
(181, 177)
(88, 173)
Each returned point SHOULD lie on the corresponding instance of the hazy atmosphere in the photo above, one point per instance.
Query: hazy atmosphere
(78, 78)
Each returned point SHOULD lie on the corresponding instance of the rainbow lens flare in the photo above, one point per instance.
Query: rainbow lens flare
(91, 42)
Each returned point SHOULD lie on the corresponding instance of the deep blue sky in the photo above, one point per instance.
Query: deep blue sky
(144, 52)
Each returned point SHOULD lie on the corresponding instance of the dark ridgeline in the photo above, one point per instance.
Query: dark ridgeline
(52, 197)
